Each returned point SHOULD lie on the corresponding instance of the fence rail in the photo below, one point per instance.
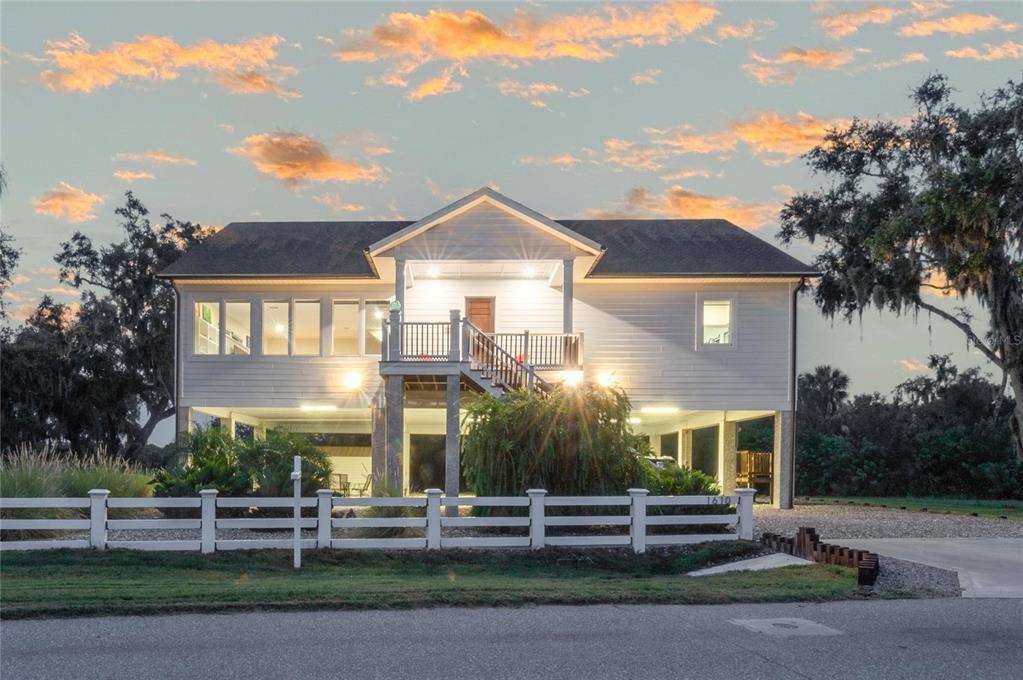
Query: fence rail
(422, 514)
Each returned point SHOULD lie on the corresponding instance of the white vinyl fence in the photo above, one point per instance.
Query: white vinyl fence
(639, 512)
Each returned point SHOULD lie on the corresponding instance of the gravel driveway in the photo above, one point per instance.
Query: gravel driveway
(833, 522)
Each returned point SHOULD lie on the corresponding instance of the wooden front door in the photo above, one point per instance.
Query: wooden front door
(480, 311)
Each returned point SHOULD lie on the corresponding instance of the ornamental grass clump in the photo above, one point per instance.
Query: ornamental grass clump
(577, 441)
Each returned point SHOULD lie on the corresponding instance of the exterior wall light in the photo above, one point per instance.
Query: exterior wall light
(353, 380)
(573, 378)
(607, 380)
(635, 421)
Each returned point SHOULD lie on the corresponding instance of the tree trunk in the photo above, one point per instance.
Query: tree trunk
(156, 417)
(1016, 419)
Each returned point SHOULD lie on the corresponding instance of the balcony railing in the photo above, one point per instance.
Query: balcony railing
(459, 340)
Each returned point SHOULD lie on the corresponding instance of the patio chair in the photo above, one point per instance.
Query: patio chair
(342, 485)
(363, 489)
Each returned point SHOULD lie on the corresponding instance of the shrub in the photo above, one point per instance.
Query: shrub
(675, 480)
(376, 512)
(575, 442)
(269, 463)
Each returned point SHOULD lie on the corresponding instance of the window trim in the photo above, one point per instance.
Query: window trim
(219, 304)
(359, 324)
(263, 302)
(292, 338)
(731, 298)
(252, 345)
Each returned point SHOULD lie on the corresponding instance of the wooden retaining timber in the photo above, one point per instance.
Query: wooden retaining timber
(807, 544)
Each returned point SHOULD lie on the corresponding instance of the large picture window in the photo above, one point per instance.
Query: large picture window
(376, 312)
(275, 328)
(346, 328)
(238, 328)
(206, 328)
(307, 327)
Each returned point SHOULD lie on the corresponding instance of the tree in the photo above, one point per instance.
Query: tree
(129, 309)
(821, 394)
(9, 254)
(932, 205)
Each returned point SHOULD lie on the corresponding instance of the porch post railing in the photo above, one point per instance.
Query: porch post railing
(455, 339)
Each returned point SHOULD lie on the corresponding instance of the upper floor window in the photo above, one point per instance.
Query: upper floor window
(276, 320)
(346, 327)
(206, 328)
(716, 322)
(238, 326)
(307, 327)
(376, 312)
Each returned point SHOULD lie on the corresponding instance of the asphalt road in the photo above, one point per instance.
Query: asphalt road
(948, 638)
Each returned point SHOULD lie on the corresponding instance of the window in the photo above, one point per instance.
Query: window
(238, 326)
(717, 322)
(206, 328)
(307, 327)
(275, 328)
(376, 312)
(346, 327)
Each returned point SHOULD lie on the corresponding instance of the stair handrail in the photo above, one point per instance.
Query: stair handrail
(531, 380)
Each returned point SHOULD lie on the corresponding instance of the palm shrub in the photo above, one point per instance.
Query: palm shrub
(577, 441)
(213, 463)
(270, 462)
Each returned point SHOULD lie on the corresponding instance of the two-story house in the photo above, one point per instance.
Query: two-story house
(370, 335)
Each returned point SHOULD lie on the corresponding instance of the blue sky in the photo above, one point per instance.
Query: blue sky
(216, 112)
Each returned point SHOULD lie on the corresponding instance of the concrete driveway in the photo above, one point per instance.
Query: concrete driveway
(987, 567)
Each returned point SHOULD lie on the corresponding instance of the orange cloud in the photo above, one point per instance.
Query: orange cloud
(410, 41)
(751, 30)
(443, 84)
(647, 77)
(294, 158)
(60, 290)
(534, 92)
(68, 202)
(772, 133)
(912, 365)
(784, 68)
(1007, 50)
(688, 174)
(235, 66)
(254, 82)
(681, 139)
(131, 176)
(155, 156)
(679, 202)
(960, 24)
(335, 203)
(907, 58)
(633, 155)
(846, 23)
(564, 161)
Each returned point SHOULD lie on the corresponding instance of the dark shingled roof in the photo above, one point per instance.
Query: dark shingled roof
(634, 248)
(683, 248)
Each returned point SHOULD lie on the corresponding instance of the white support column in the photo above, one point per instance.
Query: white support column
(433, 519)
(637, 528)
(537, 530)
(784, 455)
(378, 447)
(209, 520)
(685, 448)
(231, 425)
(399, 283)
(729, 442)
(395, 407)
(98, 518)
(324, 506)
(744, 512)
(452, 442)
(567, 293)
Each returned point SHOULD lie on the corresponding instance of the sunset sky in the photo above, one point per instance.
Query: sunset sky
(217, 112)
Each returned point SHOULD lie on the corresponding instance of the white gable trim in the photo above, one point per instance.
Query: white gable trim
(486, 195)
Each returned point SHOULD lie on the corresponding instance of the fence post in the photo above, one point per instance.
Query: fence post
(637, 528)
(209, 520)
(324, 506)
(98, 518)
(455, 339)
(744, 510)
(433, 519)
(536, 515)
(296, 494)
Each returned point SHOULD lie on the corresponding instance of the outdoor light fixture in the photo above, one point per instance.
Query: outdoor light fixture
(573, 378)
(606, 379)
(353, 380)
(378, 314)
(529, 272)
(635, 421)
(279, 329)
(318, 407)
(651, 410)
(433, 272)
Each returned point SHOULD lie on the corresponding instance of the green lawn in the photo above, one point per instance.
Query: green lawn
(78, 583)
(961, 506)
